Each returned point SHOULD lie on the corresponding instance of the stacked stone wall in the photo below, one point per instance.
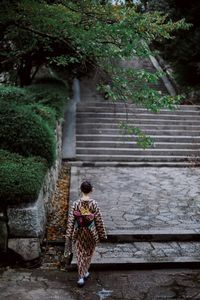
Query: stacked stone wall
(23, 225)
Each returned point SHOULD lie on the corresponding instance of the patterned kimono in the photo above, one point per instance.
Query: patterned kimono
(85, 238)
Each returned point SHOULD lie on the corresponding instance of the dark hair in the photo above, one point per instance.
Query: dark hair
(86, 187)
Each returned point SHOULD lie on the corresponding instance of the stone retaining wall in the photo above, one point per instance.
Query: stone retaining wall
(26, 223)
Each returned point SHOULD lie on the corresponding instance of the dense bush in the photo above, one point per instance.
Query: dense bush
(27, 127)
(51, 93)
(12, 93)
(20, 178)
(47, 113)
(24, 132)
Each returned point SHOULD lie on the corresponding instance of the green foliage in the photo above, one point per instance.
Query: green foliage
(142, 139)
(47, 113)
(20, 178)
(47, 92)
(21, 96)
(126, 81)
(12, 94)
(83, 35)
(53, 95)
(27, 126)
(77, 34)
(24, 132)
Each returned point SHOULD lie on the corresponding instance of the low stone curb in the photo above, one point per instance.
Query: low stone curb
(145, 255)
(152, 236)
(124, 236)
(133, 264)
(182, 164)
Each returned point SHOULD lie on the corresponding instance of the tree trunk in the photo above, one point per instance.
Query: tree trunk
(3, 229)
(24, 72)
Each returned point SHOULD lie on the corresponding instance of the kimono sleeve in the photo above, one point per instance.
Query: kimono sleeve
(99, 223)
(70, 224)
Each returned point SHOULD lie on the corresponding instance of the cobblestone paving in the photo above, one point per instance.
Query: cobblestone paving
(128, 285)
(144, 198)
(148, 251)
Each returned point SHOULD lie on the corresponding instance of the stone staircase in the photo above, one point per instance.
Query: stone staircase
(149, 197)
(99, 139)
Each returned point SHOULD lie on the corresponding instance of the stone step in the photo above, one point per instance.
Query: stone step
(134, 164)
(132, 145)
(168, 126)
(122, 138)
(128, 151)
(149, 132)
(134, 121)
(152, 235)
(130, 236)
(131, 110)
(136, 158)
(87, 115)
(145, 255)
(107, 103)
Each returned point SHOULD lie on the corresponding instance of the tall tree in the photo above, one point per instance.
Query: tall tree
(80, 35)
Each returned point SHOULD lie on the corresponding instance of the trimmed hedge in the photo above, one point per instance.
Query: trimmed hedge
(12, 93)
(53, 95)
(21, 178)
(27, 127)
(24, 132)
(48, 92)
(47, 113)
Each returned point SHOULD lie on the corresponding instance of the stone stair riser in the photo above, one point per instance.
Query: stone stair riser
(134, 158)
(134, 164)
(130, 236)
(146, 152)
(182, 127)
(123, 116)
(147, 132)
(122, 110)
(139, 264)
(132, 145)
(105, 103)
(133, 121)
(156, 138)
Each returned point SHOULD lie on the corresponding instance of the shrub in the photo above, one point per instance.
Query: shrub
(52, 94)
(24, 132)
(12, 93)
(20, 178)
(47, 113)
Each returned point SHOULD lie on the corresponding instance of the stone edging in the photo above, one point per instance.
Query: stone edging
(164, 78)
(69, 128)
(26, 223)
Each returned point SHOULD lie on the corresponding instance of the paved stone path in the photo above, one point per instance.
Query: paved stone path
(130, 285)
(148, 255)
(151, 250)
(144, 199)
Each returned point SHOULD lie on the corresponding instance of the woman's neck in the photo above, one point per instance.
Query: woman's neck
(85, 196)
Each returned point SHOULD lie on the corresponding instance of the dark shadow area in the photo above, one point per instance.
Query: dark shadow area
(14, 260)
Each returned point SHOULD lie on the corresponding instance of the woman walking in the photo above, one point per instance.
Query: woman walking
(85, 228)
